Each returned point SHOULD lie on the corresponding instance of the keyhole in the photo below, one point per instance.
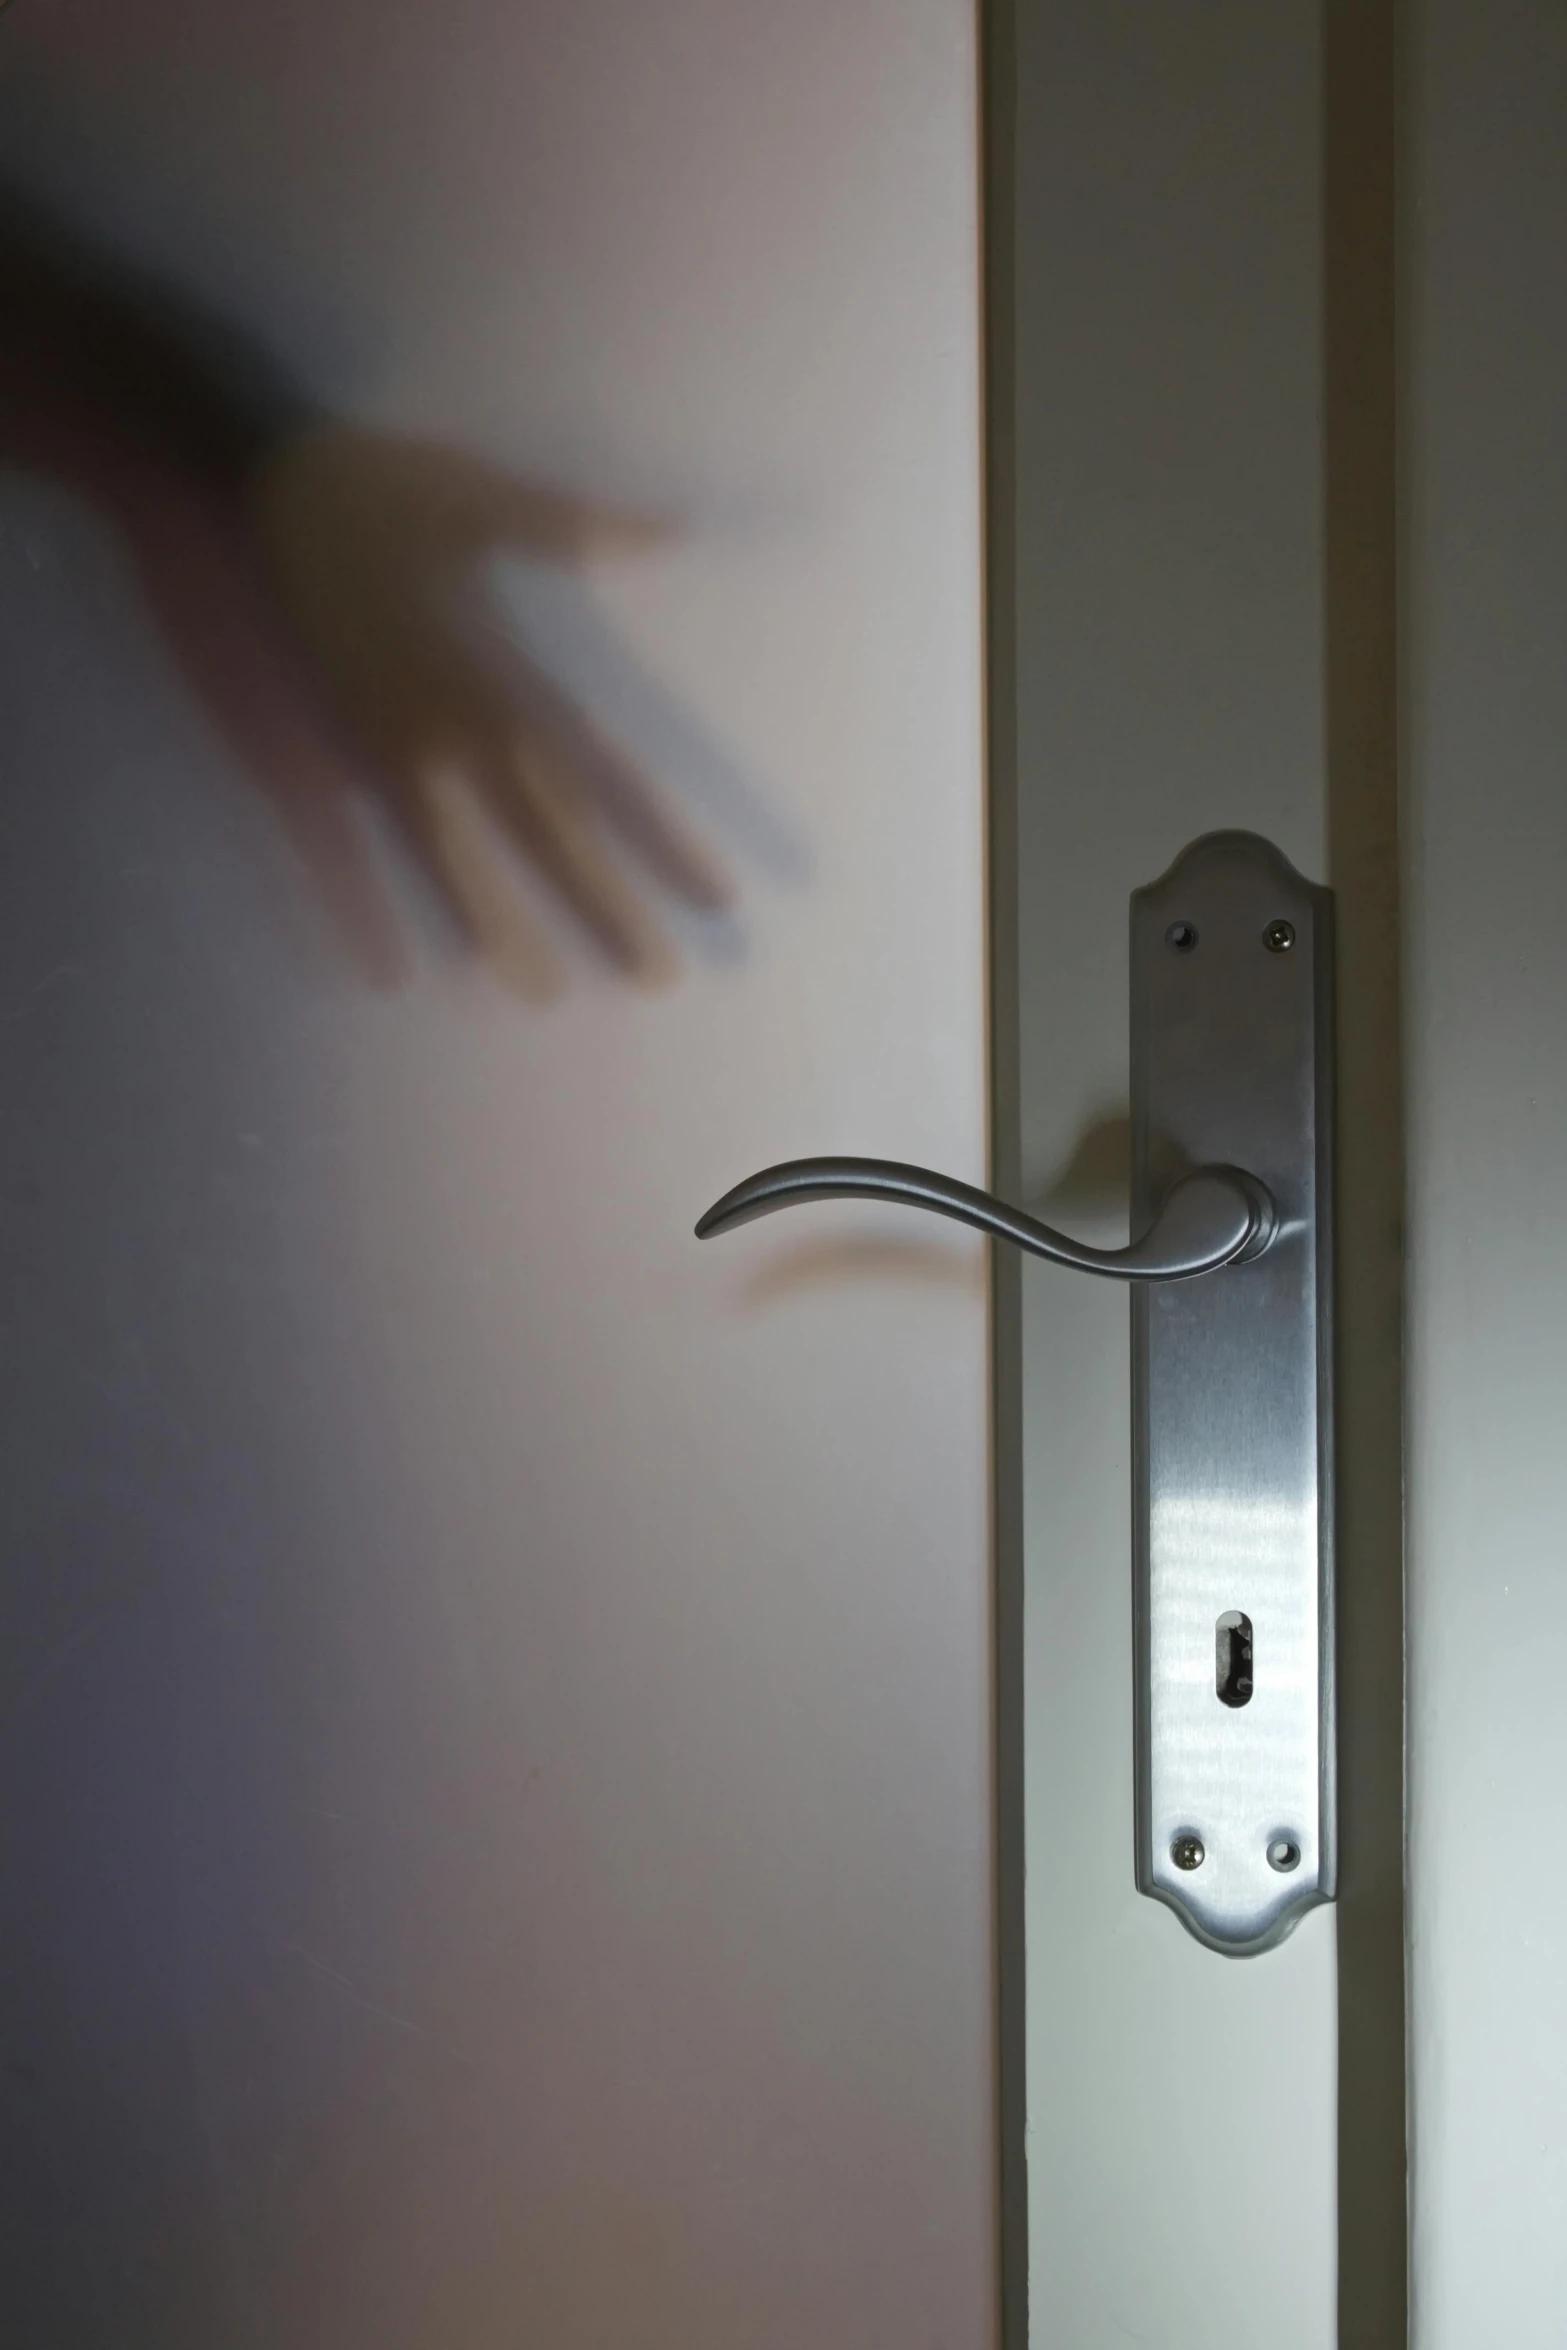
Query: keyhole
(1232, 1658)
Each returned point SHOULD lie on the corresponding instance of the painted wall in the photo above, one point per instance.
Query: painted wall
(495, 1733)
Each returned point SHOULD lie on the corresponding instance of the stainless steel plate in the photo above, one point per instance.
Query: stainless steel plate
(1232, 1406)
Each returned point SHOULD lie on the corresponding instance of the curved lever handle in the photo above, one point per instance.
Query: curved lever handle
(1215, 1216)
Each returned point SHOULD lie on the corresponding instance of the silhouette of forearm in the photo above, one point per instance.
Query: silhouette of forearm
(100, 360)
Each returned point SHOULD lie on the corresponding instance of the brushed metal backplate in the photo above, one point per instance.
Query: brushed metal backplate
(1231, 1063)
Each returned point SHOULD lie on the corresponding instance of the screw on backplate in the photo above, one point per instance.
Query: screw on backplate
(1182, 936)
(1187, 1851)
(1279, 937)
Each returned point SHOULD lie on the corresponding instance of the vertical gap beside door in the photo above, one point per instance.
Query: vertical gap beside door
(1360, 620)
(998, 135)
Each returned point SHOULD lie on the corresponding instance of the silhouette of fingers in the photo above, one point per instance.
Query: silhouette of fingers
(425, 494)
(611, 782)
(552, 522)
(543, 810)
(648, 823)
(459, 853)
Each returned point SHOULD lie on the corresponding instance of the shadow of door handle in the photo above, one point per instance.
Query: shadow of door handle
(1212, 1217)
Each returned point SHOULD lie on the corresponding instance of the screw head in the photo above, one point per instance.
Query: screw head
(1181, 937)
(1279, 937)
(1187, 1851)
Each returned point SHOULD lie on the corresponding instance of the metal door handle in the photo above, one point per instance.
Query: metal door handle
(1232, 1378)
(1212, 1217)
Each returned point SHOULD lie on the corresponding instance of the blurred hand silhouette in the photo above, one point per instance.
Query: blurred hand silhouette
(324, 587)
(376, 548)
